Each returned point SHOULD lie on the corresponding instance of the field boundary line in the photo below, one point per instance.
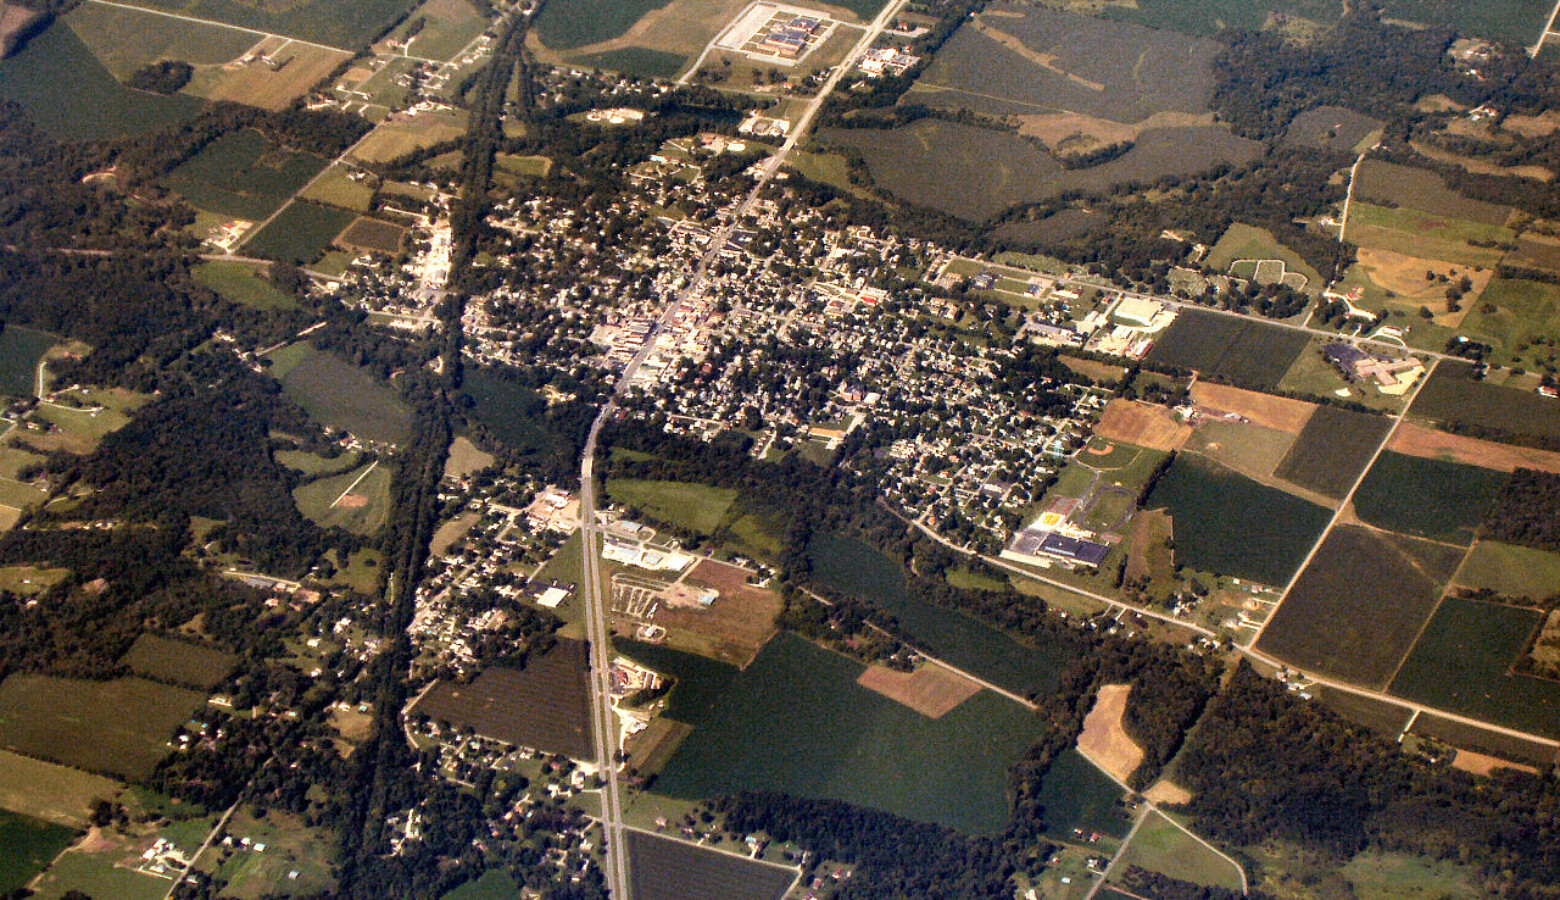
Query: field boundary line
(1346, 501)
(355, 483)
(1549, 28)
(216, 24)
(1439, 600)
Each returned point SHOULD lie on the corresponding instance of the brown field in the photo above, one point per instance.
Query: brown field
(258, 85)
(651, 749)
(1427, 443)
(12, 18)
(1251, 450)
(1405, 276)
(373, 235)
(1480, 166)
(1103, 741)
(931, 690)
(1147, 555)
(1533, 126)
(732, 630)
(1263, 409)
(1144, 424)
(404, 134)
(1167, 793)
(545, 706)
(450, 532)
(1093, 369)
(1045, 61)
(465, 458)
(1075, 132)
(1483, 764)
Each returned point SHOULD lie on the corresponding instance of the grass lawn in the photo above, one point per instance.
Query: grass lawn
(29, 580)
(1160, 846)
(291, 847)
(242, 283)
(494, 884)
(1248, 242)
(696, 507)
(1390, 876)
(341, 395)
(1511, 570)
(315, 466)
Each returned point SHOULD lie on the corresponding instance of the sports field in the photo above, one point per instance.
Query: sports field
(665, 869)
(852, 567)
(358, 501)
(1228, 524)
(179, 662)
(341, 395)
(1429, 498)
(796, 721)
(1354, 612)
(1239, 351)
(1462, 664)
(119, 727)
(1333, 450)
(301, 233)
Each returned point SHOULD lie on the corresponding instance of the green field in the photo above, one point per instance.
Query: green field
(74, 98)
(124, 40)
(1356, 609)
(1511, 570)
(296, 861)
(1332, 450)
(347, 24)
(179, 662)
(51, 792)
(336, 188)
(1380, 716)
(97, 876)
(315, 466)
(1213, 16)
(569, 24)
(1077, 797)
(449, 26)
(301, 233)
(1248, 242)
(326, 502)
(697, 507)
(1511, 315)
(796, 721)
(118, 727)
(1243, 352)
(1454, 399)
(20, 351)
(494, 884)
(336, 393)
(1517, 21)
(852, 567)
(1231, 525)
(1426, 235)
(1160, 846)
(242, 283)
(1393, 185)
(1429, 498)
(639, 61)
(26, 846)
(1462, 664)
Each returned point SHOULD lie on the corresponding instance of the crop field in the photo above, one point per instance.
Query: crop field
(1226, 348)
(1417, 233)
(449, 26)
(405, 135)
(243, 175)
(300, 234)
(1462, 664)
(1012, 60)
(27, 845)
(1417, 440)
(1390, 184)
(336, 188)
(1452, 397)
(697, 507)
(1079, 797)
(639, 61)
(1331, 128)
(852, 567)
(358, 501)
(1511, 570)
(242, 283)
(341, 395)
(1518, 21)
(796, 721)
(577, 23)
(375, 235)
(74, 98)
(126, 39)
(51, 792)
(1248, 242)
(1231, 525)
(666, 869)
(119, 727)
(21, 349)
(1267, 410)
(300, 67)
(1513, 314)
(1379, 716)
(1428, 498)
(1144, 424)
(545, 706)
(1333, 450)
(1354, 612)
(974, 173)
(931, 690)
(348, 24)
(179, 662)
(1160, 846)
(1483, 740)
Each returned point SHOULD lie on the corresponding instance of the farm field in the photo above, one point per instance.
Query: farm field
(697, 507)
(301, 66)
(124, 40)
(1159, 846)
(1332, 450)
(406, 134)
(1356, 609)
(1393, 185)
(1462, 664)
(1332, 128)
(1247, 242)
(1209, 17)
(1427, 498)
(27, 845)
(1483, 740)
(1396, 283)
(1511, 570)
(1379, 716)
(21, 349)
(545, 706)
(1422, 234)
(1454, 400)
(796, 721)
(341, 395)
(1266, 410)
(666, 869)
(1231, 525)
(1513, 314)
(242, 283)
(243, 175)
(74, 98)
(336, 189)
(449, 26)
(50, 792)
(362, 510)
(974, 173)
(372, 235)
(1244, 352)
(179, 662)
(1144, 424)
(852, 567)
(347, 24)
(1416, 440)
(1077, 797)
(119, 727)
(1518, 21)
(301, 233)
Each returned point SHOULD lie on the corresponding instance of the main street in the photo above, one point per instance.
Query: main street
(598, 628)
